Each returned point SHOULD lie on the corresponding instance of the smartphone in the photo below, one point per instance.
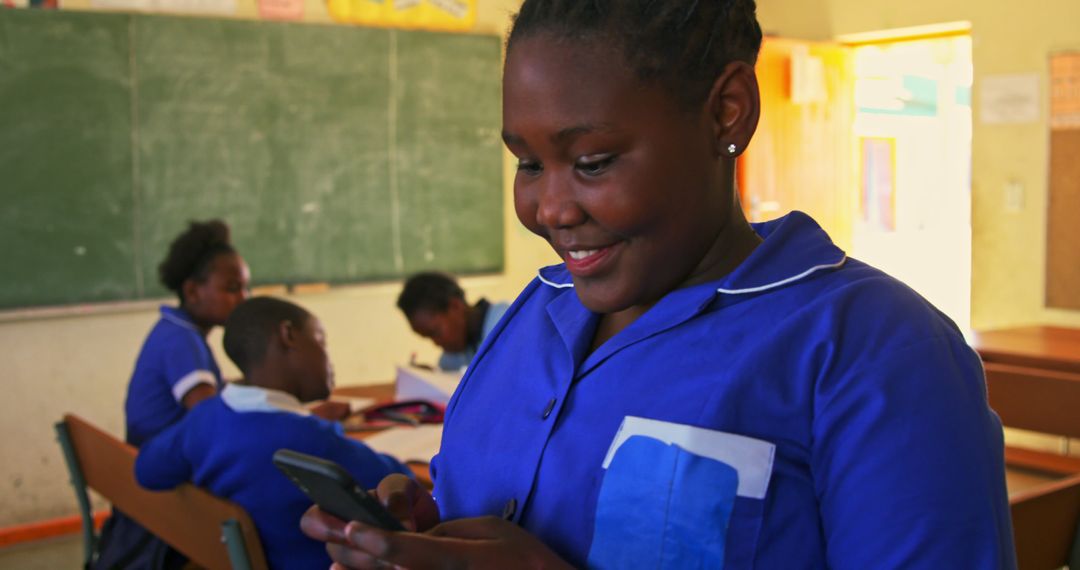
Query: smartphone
(331, 487)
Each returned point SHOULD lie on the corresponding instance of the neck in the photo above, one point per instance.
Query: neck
(203, 326)
(474, 321)
(734, 242)
(270, 378)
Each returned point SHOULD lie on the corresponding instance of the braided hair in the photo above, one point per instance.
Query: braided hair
(681, 44)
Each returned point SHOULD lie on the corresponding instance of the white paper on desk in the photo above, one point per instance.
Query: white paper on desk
(355, 404)
(408, 443)
(433, 385)
(751, 458)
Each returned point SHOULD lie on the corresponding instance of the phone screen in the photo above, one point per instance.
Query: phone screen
(328, 485)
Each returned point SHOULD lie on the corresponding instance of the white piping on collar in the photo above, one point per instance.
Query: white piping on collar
(552, 283)
(757, 289)
(242, 398)
(177, 320)
(783, 282)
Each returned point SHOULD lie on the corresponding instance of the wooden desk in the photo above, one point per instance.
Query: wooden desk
(1033, 383)
(1044, 347)
(383, 393)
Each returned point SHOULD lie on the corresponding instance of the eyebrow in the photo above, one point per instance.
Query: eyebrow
(564, 135)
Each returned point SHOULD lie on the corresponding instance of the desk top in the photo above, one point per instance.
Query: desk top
(381, 393)
(1053, 348)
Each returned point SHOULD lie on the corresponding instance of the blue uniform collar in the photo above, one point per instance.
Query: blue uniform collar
(794, 248)
(178, 316)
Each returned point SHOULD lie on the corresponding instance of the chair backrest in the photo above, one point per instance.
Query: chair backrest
(212, 532)
(1046, 525)
(1035, 399)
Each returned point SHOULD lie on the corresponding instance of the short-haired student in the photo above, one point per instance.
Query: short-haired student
(435, 307)
(689, 390)
(225, 444)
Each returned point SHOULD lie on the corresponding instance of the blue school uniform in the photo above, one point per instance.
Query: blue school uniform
(459, 360)
(225, 445)
(822, 414)
(174, 359)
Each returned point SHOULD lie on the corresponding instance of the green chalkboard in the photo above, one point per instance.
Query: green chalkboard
(336, 154)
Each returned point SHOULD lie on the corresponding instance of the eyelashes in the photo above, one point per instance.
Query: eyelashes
(591, 165)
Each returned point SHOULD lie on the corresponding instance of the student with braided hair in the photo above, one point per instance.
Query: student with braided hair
(688, 390)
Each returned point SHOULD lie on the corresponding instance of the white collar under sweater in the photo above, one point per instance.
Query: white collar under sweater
(241, 398)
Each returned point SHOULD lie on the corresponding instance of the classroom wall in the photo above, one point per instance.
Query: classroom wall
(1008, 247)
(81, 361)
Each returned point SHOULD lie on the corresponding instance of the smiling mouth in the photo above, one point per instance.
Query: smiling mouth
(582, 254)
(587, 262)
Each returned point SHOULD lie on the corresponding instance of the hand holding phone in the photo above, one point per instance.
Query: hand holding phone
(328, 485)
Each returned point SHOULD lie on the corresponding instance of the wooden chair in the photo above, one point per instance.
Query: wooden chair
(1046, 519)
(212, 532)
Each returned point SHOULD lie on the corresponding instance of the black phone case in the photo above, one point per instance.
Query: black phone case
(333, 489)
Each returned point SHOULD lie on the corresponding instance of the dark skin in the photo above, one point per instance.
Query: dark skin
(636, 193)
(448, 329)
(209, 301)
(296, 362)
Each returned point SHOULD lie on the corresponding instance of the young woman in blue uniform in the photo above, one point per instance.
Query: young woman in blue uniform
(176, 369)
(689, 390)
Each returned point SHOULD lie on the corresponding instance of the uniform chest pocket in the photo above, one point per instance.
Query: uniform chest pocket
(668, 501)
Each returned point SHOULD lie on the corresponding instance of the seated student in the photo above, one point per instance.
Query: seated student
(176, 369)
(689, 390)
(436, 309)
(225, 445)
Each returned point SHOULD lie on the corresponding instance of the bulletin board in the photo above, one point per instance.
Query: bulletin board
(1063, 214)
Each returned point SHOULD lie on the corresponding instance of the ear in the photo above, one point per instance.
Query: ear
(189, 289)
(287, 334)
(734, 107)
(456, 304)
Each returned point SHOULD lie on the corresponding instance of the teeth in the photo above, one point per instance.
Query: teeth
(582, 254)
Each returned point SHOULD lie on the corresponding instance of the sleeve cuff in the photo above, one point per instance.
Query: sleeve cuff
(190, 380)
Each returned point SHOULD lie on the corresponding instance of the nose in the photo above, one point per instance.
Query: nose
(558, 205)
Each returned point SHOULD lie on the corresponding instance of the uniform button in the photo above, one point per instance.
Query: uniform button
(510, 509)
(550, 406)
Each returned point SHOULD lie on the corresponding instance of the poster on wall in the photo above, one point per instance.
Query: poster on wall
(446, 15)
(1063, 232)
(877, 199)
(211, 7)
(281, 9)
(1065, 91)
(1009, 99)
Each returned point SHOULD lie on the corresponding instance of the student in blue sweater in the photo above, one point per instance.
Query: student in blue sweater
(225, 445)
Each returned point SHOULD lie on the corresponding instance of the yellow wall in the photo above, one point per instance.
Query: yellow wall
(81, 363)
(1008, 247)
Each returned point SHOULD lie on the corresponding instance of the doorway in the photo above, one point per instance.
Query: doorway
(913, 153)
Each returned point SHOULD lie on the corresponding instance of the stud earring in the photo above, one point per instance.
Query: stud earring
(731, 148)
